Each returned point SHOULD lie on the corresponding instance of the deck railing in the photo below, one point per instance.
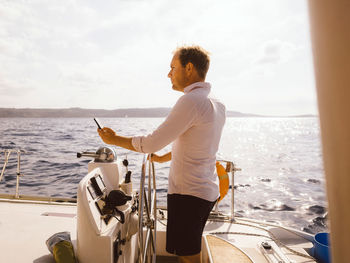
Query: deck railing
(230, 169)
(17, 196)
(18, 172)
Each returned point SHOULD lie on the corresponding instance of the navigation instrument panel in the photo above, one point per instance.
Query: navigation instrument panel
(96, 186)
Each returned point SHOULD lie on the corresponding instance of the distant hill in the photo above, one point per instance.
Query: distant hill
(88, 113)
(81, 113)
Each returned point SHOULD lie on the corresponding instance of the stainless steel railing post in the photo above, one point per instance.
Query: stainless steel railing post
(7, 155)
(232, 194)
(18, 172)
(230, 168)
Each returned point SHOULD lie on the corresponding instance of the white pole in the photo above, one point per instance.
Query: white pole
(232, 193)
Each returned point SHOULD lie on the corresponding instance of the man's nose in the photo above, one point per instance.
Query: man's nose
(169, 74)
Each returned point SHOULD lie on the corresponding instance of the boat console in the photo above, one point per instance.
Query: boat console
(106, 215)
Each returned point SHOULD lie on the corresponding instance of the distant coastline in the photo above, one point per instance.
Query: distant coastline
(117, 113)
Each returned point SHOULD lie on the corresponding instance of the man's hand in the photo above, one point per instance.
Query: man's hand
(110, 137)
(161, 159)
(107, 135)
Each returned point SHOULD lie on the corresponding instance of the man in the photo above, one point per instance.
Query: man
(194, 125)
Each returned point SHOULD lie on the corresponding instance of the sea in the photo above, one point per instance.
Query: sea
(281, 178)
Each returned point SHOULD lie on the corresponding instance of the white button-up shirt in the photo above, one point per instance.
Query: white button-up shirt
(195, 125)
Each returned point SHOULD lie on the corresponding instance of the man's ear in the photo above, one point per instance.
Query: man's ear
(189, 68)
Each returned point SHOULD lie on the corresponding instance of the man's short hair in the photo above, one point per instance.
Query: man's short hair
(197, 56)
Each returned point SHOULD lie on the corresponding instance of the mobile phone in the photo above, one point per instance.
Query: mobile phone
(98, 125)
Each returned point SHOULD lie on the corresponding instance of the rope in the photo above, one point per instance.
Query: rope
(240, 233)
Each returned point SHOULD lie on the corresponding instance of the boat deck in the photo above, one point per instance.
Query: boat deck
(26, 225)
(223, 251)
(245, 237)
(25, 228)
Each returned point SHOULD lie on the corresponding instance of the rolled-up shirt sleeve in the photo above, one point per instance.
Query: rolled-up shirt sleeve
(181, 118)
(136, 142)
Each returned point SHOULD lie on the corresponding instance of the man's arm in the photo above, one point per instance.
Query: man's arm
(180, 119)
(161, 159)
(177, 122)
(110, 137)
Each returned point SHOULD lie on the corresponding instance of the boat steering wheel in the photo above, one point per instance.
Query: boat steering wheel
(147, 211)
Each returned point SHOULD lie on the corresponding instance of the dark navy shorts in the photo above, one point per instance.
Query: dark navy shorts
(187, 216)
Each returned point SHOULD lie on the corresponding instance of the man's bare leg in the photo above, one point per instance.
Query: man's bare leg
(190, 259)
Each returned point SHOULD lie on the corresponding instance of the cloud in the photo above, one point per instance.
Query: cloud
(91, 78)
(11, 46)
(276, 51)
(104, 53)
(10, 87)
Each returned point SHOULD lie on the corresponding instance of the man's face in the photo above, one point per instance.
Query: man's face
(177, 74)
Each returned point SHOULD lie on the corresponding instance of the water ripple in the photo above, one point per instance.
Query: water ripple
(281, 161)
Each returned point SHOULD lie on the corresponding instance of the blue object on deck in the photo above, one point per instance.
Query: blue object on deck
(322, 250)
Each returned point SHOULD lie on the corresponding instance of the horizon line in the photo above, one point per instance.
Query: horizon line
(166, 108)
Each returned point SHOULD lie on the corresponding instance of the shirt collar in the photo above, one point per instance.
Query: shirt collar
(197, 84)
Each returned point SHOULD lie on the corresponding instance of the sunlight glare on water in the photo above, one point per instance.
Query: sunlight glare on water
(281, 161)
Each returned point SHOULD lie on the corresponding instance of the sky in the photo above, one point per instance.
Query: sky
(116, 54)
